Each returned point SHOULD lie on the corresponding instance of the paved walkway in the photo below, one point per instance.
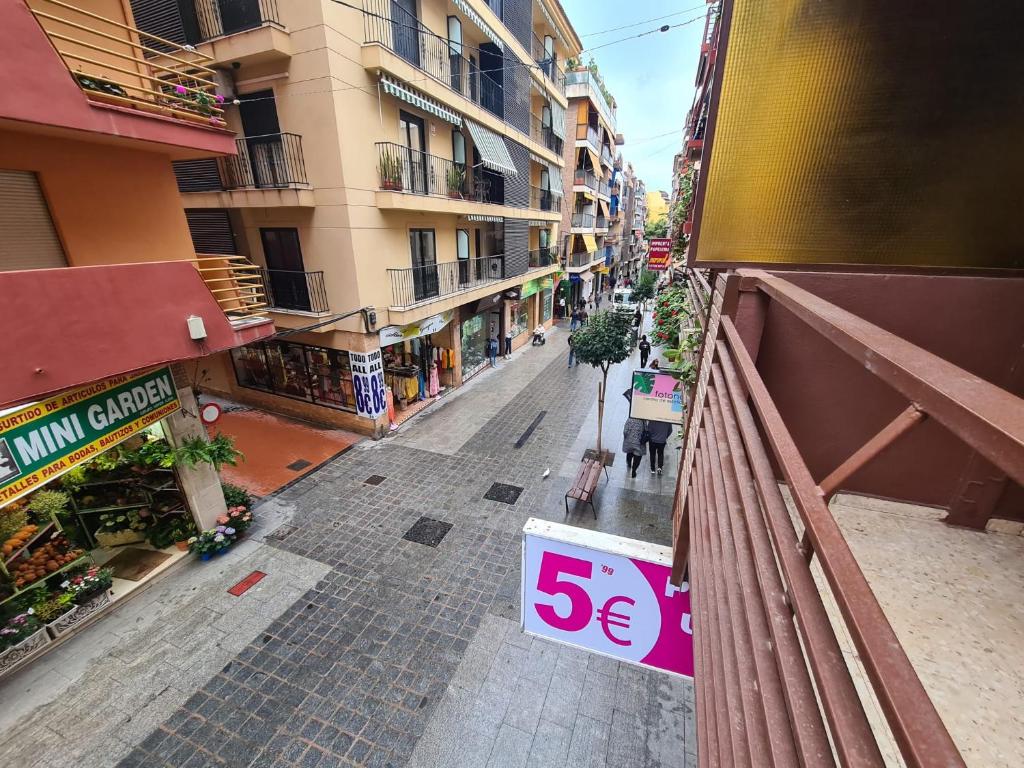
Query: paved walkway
(366, 648)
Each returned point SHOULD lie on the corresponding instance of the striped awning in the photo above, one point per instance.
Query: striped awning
(555, 179)
(482, 25)
(493, 152)
(538, 159)
(551, 22)
(541, 224)
(400, 90)
(557, 119)
(485, 217)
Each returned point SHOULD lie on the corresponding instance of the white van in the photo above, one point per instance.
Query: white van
(623, 297)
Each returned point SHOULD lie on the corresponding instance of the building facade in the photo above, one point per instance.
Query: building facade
(397, 183)
(589, 168)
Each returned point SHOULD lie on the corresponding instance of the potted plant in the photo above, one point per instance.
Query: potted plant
(117, 528)
(20, 637)
(58, 612)
(217, 451)
(456, 177)
(390, 168)
(212, 542)
(238, 519)
(89, 589)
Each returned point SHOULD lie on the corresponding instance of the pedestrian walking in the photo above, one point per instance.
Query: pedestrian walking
(638, 318)
(658, 433)
(492, 351)
(633, 444)
(572, 350)
(583, 317)
(561, 307)
(508, 344)
(574, 323)
(645, 351)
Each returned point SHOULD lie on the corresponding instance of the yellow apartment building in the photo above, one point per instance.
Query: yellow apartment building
(397, 183)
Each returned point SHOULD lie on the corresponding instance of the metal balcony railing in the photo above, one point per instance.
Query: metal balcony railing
(606, 156)
(589, 81)
(415, 285)
(542, 257)
(385, 22)
(603, 189)
(584, 179)
(297, 291)
(235, 282)
(582, 259)
(401, 169)
(588, 133)
(110, 62)
(583, 220)
(600, 223)
(273, 161)
(545, 200)
(548, 64)
(543, 134)
(226, 17)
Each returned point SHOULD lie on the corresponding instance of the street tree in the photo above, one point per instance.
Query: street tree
(656, 228)
(643, 290)
(602, 343)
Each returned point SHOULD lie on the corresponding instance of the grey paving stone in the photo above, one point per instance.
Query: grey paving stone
(563, 700)
(550, 747)
(589, 745)
(526, 704)
(598, 699)
(511, 748)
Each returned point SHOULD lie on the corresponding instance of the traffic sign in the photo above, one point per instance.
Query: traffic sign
(606, 594)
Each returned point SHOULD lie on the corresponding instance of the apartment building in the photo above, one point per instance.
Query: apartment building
(632, 227)
(397, 183)
(589, 166)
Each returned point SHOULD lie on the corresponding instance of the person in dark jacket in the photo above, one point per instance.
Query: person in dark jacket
(645, 351)
(658, 433)
(492, 351)
(633, 444)
(638, 318)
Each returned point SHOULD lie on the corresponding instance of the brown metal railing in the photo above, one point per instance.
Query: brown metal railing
(118, 64)
(235, 282)
(761, 622)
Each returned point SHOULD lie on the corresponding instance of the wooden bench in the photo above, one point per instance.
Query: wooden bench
(585, 484)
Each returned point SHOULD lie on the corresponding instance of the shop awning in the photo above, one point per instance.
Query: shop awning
(99, 322)
(482, 25)
(493, 152)
(555, 177)
(484, 217)
(409, 95)
(557, 119)
(393, 334)
(591, 242)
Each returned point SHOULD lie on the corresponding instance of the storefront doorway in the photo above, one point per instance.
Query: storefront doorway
(475, 333)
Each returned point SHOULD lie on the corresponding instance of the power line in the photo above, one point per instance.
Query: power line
(664, 28)
(645, 21)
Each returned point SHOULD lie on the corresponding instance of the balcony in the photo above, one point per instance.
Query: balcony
(584, 179)
(401, 169)
(244, 31)
(603, 189)
(235, 282)
(545, 199)
(582, 221)
(548, 65)
(606, 156)
(294, 291)
(582, 84)
(417, 285)
(129, 74)
(272, 161)
(545, 136)
(601, 223)
(582, 259)
(387, 24)
(542, 257)
(589, 134)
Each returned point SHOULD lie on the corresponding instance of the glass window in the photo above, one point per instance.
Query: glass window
(458, 148)
(547, 304)
(251, 367)
(314, 374)
(331, 374)
(520, 317)
(474, 344)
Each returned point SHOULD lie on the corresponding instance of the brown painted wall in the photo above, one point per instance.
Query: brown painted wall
(833, 406)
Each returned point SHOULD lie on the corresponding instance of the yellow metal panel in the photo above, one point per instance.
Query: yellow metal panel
(861, 132)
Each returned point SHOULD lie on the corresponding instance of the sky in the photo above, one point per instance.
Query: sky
(651, 77)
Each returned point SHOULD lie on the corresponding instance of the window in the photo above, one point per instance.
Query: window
(455, 52)
(547, 304)
(462, 254)
(458, 148)
(424, 263)
(286, 274)
(314, 374)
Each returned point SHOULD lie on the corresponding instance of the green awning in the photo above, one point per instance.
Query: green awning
(409, 95)
(473, 16)
(493, 152)
(530, 287)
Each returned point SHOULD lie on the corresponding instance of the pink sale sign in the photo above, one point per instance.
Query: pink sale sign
(607, 594)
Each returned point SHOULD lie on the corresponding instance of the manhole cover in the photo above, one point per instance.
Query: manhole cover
(282, 532)
(507, 494)
(374, 480)
(298, 464)
(427, 531)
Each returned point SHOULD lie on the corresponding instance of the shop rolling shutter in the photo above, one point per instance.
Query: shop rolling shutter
(197, 175)
(28, 239)
(211, 230)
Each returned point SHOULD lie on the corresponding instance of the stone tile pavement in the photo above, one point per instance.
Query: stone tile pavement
(376, 650)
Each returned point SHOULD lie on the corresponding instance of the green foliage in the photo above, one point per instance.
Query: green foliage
(47, 504)
(218, 451)
(390, 168)
(602, 342)
(643, 290)
(656, 228)
(154, 453)
(235, 496)
(12, 519)
(169, 531)
(53, 608)
(670, 310)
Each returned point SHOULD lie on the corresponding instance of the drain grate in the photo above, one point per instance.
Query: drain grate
(506, 494)
(299, 464)
(282, 532)
(428, 531)
(374, 480)
(529, 430)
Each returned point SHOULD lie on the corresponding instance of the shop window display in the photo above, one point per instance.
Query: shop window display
(316, 374)
(520, 317)
(547, 304)
(474, 344)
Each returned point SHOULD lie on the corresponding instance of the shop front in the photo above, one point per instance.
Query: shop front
(419, 360)
(102, 488)
(480, 322)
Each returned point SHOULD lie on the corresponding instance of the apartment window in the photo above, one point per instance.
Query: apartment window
(455, 52)
(462, 254)
(404, 26)
(413, 136)
(424, 263)
(458, 148)
(286, 273)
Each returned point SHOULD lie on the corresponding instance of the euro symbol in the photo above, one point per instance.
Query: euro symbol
(606, 616)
